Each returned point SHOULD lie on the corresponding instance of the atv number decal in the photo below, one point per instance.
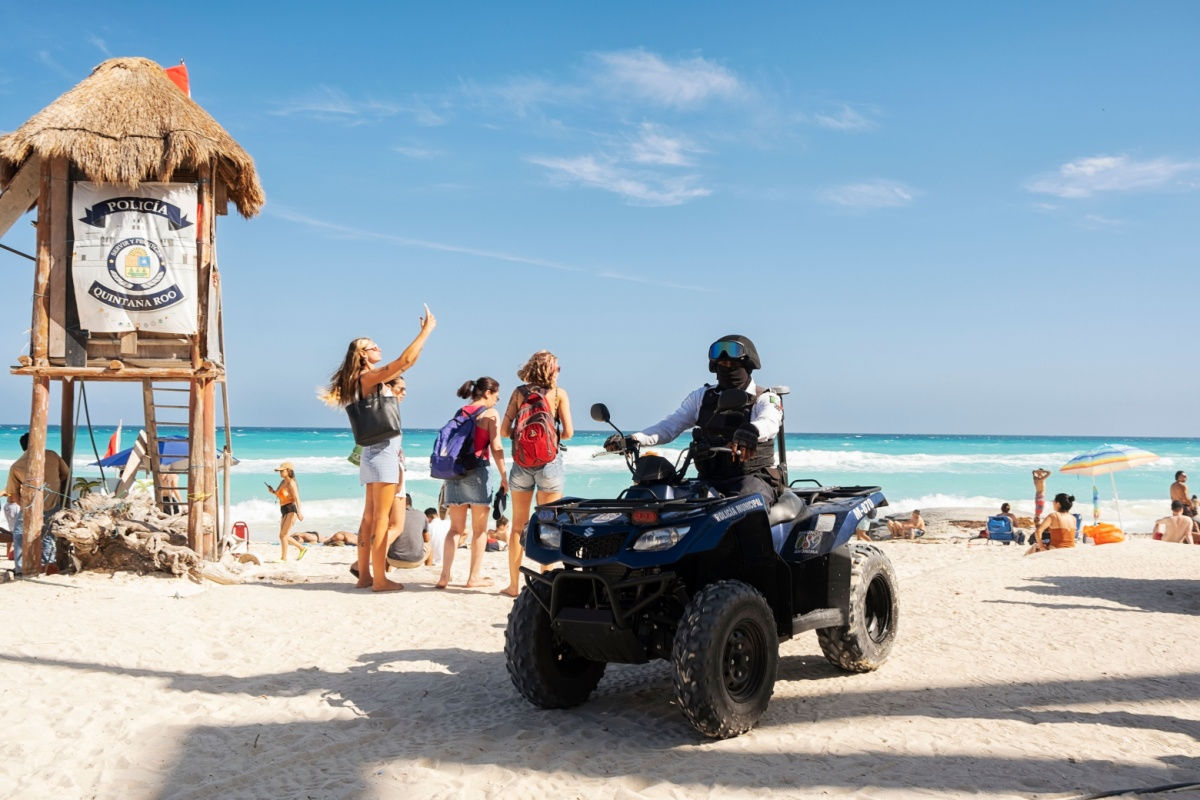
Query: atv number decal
(863, 508)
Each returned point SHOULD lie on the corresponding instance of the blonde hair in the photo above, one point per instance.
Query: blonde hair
(539, 370)
(344, 382)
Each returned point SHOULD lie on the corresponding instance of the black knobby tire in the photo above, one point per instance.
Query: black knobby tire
(545, 670)
(864, 643)
(725, 656)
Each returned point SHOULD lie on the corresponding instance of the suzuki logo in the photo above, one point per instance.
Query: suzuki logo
(589, 531)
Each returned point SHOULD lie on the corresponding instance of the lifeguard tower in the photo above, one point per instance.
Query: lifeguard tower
(128, 176)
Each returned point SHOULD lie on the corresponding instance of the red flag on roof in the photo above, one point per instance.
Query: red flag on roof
(179, 76)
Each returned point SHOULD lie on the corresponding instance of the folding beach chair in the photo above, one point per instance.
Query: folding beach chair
(1000, 529)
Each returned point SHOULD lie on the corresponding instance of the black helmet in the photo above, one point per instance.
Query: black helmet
(735, 347)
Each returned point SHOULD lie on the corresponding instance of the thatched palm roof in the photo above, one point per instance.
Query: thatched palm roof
(127, 123)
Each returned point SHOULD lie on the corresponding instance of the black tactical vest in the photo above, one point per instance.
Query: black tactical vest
(718, 466)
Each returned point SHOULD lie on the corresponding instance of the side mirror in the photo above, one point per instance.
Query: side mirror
(733, 399)
(600, 413)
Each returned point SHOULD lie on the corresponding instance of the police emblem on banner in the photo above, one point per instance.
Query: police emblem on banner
(134, 261)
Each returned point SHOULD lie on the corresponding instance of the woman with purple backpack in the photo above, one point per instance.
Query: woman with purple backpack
(538, 417)
(470, 491)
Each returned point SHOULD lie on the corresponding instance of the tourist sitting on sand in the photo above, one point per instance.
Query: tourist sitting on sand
(439, 526)
(498, 536)
(342, 539)
(408, 535)
(913, 527)
(1059, 523)
(1179, 527)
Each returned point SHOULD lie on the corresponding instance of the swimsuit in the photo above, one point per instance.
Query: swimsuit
(1061, 537)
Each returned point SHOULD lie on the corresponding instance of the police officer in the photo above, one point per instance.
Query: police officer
(749, 431)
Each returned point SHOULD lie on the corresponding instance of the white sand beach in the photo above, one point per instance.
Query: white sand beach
(1056, 675)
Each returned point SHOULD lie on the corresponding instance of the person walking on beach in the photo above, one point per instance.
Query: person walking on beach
(1039, 493)
(525, 418)
(1059, 523)
(288, 494)
(362, 372)
(471, 490)
(1179, 492)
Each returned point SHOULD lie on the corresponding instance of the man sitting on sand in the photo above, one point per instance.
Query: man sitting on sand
(1178, 527)
(410, 548)
(914, 527)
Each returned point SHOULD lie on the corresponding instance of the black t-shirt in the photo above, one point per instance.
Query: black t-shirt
(410, 544)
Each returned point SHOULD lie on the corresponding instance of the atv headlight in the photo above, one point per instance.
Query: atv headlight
(550, 535)
(660, 538)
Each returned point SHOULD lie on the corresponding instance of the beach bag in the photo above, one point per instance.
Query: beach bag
(535, 439)
(374, 418)
(454, 449)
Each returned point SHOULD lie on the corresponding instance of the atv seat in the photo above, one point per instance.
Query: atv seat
(788, 507)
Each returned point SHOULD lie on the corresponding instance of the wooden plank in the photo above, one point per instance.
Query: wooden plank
(128, 343)
(150, 422)
(222, 198)
(60, 231)
(21, 193)
(39, 331)
(118, 374)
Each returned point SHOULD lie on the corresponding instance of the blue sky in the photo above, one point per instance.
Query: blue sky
(936, 217)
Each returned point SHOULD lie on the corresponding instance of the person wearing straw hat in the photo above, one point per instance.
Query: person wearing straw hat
(288, 494)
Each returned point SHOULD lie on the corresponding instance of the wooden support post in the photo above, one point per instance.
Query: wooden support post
(60, 225)
(33, 502)
(66, 433)
(210, 472)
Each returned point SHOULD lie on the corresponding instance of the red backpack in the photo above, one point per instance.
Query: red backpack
(535, 438)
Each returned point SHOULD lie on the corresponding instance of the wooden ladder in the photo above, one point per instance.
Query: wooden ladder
(152, 405)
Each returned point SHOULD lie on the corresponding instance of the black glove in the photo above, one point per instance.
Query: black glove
(746, 437)
(616, 443)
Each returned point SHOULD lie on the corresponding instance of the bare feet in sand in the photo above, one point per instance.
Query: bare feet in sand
(364, 583)
(480, 583)
(510, 591)
(388, 586)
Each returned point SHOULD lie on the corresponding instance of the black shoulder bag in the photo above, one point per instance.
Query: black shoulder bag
(374, 418)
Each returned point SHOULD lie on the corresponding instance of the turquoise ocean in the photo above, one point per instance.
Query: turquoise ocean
(915, 471)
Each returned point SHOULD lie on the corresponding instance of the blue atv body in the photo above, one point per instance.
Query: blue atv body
(670, 569)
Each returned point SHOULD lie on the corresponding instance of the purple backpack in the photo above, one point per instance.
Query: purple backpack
(454, 449)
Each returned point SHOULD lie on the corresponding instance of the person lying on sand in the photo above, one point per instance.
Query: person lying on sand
(308, 537)
(342, 538)
(911, 529)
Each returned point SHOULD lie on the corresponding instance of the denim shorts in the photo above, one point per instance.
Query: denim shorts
(470, 489)
(381, 462)
(547, 478)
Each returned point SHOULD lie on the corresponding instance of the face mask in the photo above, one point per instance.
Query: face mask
(733, 377)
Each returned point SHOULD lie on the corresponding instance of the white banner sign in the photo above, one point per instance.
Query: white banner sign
(134, 262)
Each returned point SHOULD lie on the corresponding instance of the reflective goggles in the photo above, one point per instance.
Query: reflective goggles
(725, 349)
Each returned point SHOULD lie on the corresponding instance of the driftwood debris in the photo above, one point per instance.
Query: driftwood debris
(127, 533)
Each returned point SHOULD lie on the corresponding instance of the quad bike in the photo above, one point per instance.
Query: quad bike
(672, 570)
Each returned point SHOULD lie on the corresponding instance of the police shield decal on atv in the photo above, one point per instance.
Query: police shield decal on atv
(671, 570)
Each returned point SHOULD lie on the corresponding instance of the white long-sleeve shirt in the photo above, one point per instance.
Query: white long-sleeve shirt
(766, 416)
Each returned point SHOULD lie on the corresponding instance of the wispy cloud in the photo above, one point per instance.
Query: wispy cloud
(330, 102)
(870, 194)
(680, 83)
(1085, 177)
(1097, 222)
(348, 232)
(655, 145)
(846, 119)
(420, 153)
(638, 187)
(48, 60)
(99, 44)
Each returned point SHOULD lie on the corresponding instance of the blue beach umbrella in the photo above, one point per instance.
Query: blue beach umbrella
(169, 451)
(1108, 459)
